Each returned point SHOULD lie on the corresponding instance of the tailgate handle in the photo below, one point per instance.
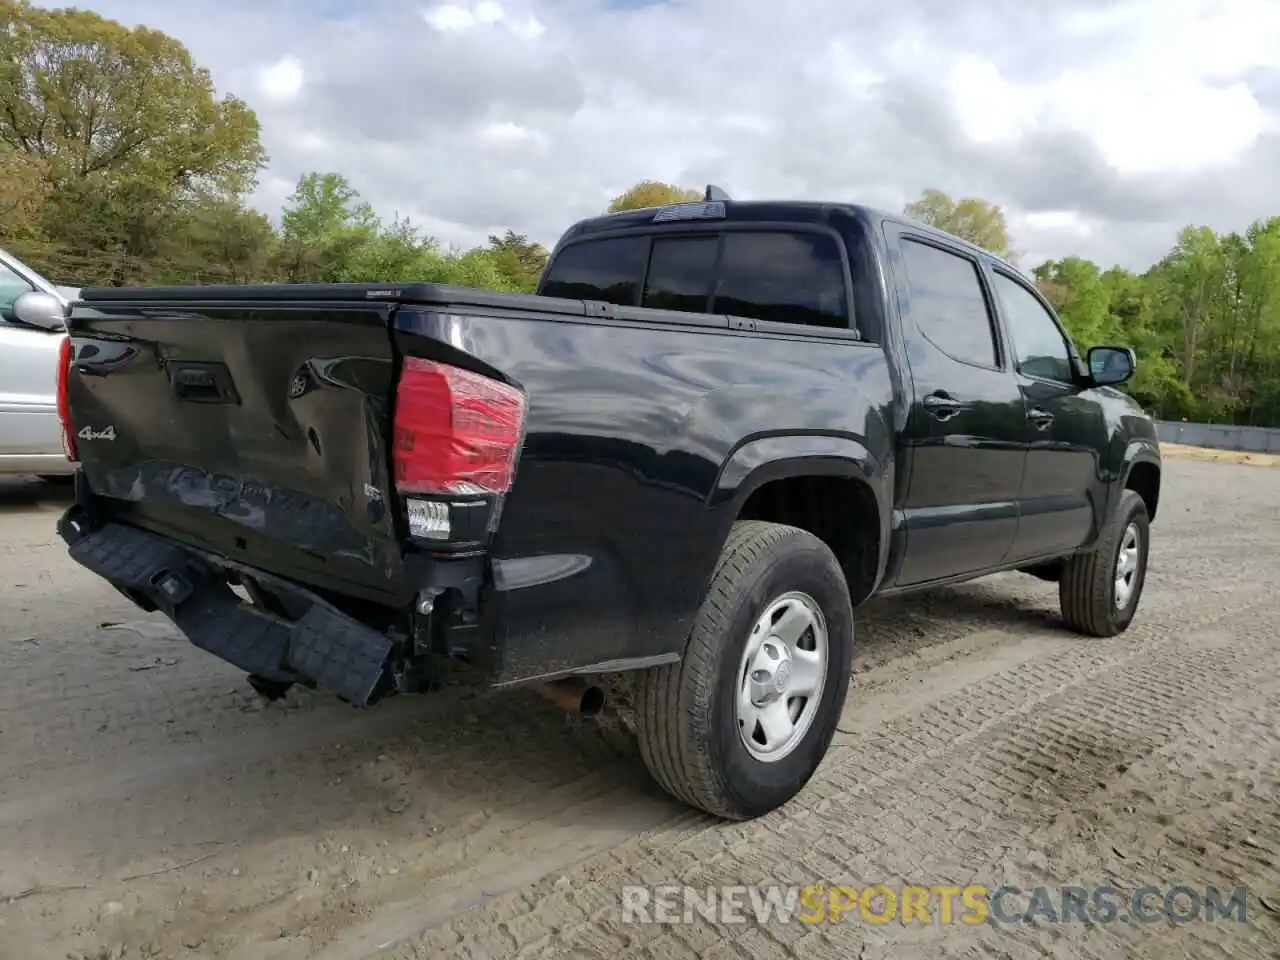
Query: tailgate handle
(202, 383)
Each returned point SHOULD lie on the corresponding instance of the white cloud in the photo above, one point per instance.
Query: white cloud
(449, 18)
(454, 18)
(1058, 220)
(506, 132)
(1169, 98)
(282, 81)
(531, 28)
(1100, 125)
(488, 12)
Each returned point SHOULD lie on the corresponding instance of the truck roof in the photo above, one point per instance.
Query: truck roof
(764, 211)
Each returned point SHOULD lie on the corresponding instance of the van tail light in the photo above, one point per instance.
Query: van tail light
(456, 434)
(65, 352)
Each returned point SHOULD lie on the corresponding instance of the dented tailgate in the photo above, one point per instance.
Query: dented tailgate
(256, 430)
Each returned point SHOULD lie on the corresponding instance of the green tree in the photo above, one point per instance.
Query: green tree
(1189, 285)
(651, 193)
(122, 130)
(219, 240)
(519, 260)
(329, 234)
(93, 97)
(1086, 311)
(324, 228)
(969, 218)
(23, 192)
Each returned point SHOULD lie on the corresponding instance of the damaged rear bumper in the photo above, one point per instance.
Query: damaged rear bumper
(321, 646)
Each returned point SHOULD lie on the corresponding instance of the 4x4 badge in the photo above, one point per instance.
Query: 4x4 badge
(88, 433)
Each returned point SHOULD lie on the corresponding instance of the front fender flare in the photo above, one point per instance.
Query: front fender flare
(1141, 450)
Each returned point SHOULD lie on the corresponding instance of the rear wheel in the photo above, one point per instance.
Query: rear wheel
(739, 726)
(1100, 590)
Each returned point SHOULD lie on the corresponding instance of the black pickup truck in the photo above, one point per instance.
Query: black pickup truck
(716, 430)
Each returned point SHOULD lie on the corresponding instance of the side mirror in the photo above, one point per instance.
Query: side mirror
(1111, 365)
(40, 309)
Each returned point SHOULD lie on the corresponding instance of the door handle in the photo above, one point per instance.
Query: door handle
(1041, 418)
(941, 405)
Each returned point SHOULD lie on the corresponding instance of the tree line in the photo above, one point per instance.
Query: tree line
(119, 164)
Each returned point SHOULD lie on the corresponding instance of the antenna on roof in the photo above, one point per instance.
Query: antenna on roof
(714, 193)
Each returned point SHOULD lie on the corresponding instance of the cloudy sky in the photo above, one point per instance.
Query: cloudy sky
(1101, 127)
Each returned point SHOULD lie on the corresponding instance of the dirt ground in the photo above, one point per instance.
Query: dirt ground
(150, 806)
(1181, 451)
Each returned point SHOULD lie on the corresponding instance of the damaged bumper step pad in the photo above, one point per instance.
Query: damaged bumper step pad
(324, 646)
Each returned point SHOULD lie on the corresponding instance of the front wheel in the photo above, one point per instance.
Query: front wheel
(739, 726)
(1100, 590)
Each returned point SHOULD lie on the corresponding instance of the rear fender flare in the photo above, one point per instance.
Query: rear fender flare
(764, 459)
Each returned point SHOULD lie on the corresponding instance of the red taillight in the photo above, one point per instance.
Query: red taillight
(456, 432)
(64, 405)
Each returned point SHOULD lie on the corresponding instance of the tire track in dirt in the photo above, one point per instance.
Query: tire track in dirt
(937, 819)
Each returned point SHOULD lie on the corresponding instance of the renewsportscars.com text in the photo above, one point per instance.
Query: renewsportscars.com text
(942, 904)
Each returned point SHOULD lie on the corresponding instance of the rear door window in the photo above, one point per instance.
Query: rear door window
(783, 278)
(606, 270)
(948, 303)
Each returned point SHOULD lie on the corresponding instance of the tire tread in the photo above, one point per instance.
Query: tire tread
(1084, 592)
(673, 722)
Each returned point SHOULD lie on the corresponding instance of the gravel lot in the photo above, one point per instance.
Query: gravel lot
(150, 806)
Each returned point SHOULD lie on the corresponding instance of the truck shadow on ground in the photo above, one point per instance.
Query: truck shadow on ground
(22, 494)
(894, 627)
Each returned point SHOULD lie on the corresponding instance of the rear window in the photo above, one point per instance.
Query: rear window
(782, 278)
(680, 271)
(607, 270)
(775, 276)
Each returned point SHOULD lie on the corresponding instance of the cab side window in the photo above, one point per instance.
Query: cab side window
(1039, 346)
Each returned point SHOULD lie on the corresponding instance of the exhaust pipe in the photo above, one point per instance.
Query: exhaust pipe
(574, 696)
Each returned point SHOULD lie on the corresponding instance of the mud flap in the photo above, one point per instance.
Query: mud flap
(325, 646)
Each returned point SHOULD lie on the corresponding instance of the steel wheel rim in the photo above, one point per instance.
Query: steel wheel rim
(1127, 560)
(781, 677)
